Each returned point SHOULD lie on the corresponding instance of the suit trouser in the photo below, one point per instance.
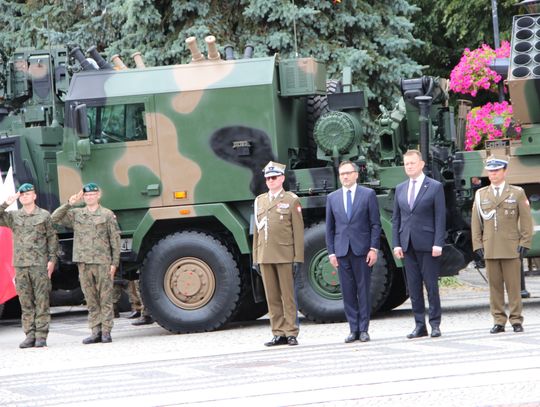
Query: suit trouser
(278, 283)
(97, 286)
(421, 268)
(33, 288)
(501, 273)
(355, 280)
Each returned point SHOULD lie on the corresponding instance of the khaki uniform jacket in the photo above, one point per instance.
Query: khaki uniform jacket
(96, 237)
(34, 239)
(514, 222)
(283, 241)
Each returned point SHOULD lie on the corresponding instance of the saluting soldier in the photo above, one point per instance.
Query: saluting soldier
(502, 228)
(278, 247)
(34, 256)
(96, 250)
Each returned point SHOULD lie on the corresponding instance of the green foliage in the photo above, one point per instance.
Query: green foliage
(448, 27)
(373, 36)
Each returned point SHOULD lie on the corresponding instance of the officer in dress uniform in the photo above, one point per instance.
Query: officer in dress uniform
(34, 256)
(278, 248)
(501, 225)
(96, 250)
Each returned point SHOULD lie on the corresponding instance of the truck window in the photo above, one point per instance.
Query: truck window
(116, 123)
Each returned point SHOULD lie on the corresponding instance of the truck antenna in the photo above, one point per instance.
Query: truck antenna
(294, 31)
(54, 122)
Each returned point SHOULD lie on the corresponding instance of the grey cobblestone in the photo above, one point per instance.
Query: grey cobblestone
(147, 366)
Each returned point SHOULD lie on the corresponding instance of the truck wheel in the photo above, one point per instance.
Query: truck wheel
(398, 292)
(249, 310)
(1, 310)
(190, 283)
(318, 288)
(381, 277)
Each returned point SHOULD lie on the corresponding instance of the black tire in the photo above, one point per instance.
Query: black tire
(12, 309)
(1, 310)
(318, 289)
(190, 283)
(317, 106)
(67, 297)
(249, 310)
(398, 291)
(381, 277)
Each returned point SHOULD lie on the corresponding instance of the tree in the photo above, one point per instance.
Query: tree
(374, 37)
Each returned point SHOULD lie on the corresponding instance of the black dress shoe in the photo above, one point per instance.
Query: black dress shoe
(134, 314)
(291, 340)
(353, 336)
(517, 328)
(277, 340)
(496, 329)
(435, 332)
(417, 333)
(94, 338)
(364, 337)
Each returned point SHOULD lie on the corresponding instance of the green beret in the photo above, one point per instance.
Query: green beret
(26, 188)
(90, 187)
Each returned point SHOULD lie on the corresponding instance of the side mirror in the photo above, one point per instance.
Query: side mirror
(81, 121)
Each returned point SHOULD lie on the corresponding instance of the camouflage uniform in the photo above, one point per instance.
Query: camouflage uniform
(96, 247)
(132, 290)
(35, 244)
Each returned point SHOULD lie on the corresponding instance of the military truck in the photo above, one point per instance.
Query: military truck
(178, 152)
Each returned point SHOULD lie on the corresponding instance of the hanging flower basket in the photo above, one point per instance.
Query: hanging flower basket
(472, 73)
(489, 122)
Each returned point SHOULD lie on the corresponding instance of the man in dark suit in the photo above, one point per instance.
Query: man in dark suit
(353, 230)
(418, 229)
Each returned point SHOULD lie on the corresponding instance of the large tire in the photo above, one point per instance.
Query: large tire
(190, 283)
(398, 292)
(1, 310)
(249, 310)
(66, 297)
(318, 289)
(317, 105)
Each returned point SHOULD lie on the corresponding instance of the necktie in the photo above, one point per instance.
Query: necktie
(496, 192)
(411, 194)
(349, 204)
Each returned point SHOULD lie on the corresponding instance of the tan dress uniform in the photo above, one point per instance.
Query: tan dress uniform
(276, 245)
(499, 225)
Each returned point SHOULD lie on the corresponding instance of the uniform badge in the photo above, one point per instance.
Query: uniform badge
(283, 205)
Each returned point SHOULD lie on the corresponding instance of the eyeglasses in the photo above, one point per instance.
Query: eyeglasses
(272, 178)
(346, 173)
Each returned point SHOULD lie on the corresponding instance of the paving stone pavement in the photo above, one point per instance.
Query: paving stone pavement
(147, 366)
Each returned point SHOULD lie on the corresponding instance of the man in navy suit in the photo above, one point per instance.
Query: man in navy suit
(418, 229)
(353, 230)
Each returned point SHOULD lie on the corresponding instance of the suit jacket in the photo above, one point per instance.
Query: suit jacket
(283, 240)
(425, 223)
(514, 222)
(360, 233)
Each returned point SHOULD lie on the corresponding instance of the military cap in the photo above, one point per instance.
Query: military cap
(273, 168)
(493, 164)
(26, 188)
(90, 187)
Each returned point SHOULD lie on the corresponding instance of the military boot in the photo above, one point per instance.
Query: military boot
(27, 343)
(106, 337)
(41, 342)
(94, 338)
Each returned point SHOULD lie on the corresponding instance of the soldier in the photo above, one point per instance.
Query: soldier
(278, 247)
(96, 250)
(132, 290)
(35, 246)
(501, 227)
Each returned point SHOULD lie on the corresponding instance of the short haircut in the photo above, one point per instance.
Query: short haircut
(413, 152)
(341, 164)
